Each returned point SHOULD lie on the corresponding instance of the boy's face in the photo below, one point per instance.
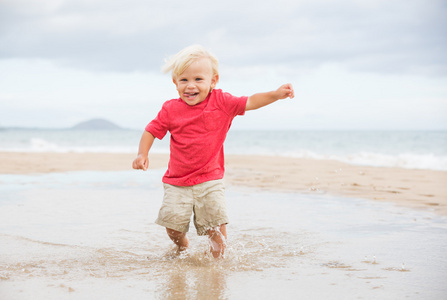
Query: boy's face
(195, 83)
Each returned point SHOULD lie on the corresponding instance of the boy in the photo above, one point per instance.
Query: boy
(198, 122)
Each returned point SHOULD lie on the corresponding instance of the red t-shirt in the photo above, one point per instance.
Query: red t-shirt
(197, 136)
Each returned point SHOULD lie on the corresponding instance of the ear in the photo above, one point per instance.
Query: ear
(214, 80)
(174, 80)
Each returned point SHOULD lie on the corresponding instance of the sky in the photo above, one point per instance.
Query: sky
(371, 64)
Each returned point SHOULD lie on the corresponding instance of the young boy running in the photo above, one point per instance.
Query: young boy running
(198, 122)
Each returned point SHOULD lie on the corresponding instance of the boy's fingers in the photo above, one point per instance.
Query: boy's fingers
(138, 164)
(291, 91)
(289, 88)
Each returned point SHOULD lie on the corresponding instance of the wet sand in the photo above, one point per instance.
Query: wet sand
(420, 189)
(90, 235)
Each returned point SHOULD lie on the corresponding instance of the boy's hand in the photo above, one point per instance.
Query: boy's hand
(141, 162)
(285, 90)
(262, 99)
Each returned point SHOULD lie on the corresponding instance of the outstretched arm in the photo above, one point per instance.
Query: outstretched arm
(142, 160)
(262, 99)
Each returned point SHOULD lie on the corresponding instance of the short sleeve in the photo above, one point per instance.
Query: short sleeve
(159, 126)
(234, 106)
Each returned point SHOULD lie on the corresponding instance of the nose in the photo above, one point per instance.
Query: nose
(190, 85)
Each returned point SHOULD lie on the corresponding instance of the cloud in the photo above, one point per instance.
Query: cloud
(369, 36)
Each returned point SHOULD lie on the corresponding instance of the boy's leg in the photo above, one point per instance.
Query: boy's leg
(175, 213)
(218, 240)
(210, 214)
(179, 238)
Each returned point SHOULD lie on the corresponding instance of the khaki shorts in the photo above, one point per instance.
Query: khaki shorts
(206, 200)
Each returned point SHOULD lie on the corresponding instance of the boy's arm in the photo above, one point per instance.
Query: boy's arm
(262, 99)
(142, 160)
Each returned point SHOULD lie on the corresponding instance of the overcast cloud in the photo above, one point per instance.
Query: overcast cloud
(377, 36)
(301, 41)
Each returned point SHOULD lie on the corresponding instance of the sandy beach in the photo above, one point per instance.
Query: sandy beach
(419, 189)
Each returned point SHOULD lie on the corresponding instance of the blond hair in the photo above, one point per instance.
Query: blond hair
(183, 59)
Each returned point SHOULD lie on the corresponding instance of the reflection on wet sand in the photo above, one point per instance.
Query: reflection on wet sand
(199, 283)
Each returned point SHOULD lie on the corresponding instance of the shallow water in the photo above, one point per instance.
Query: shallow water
(90, 235)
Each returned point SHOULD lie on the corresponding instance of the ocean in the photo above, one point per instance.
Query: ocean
(403, 149)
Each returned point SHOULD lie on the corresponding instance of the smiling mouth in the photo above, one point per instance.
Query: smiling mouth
(190, 95)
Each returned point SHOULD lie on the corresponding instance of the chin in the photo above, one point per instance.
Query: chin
(193, 102)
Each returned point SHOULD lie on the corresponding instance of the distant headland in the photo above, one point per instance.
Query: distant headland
(96, 124)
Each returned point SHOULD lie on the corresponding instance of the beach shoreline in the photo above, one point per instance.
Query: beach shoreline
(418, 189)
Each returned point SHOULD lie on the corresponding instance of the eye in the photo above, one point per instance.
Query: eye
(199, 78)
(183, 80)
